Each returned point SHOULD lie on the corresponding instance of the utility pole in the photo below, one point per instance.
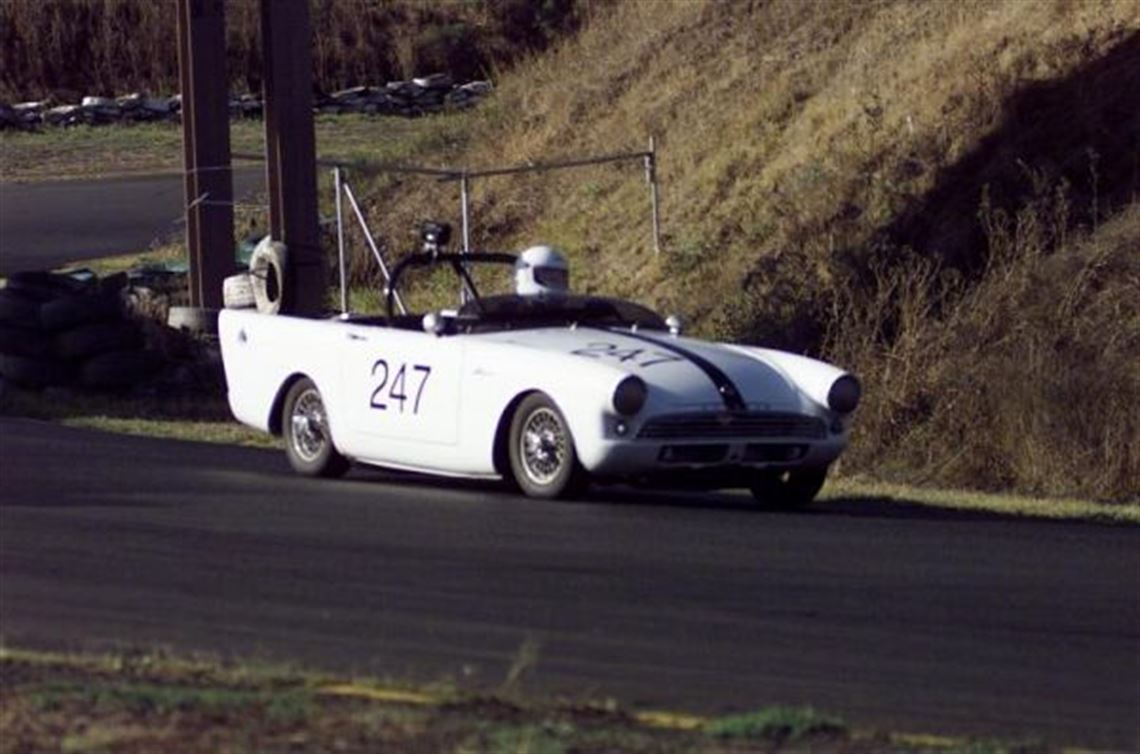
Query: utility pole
(289, 145)
(206, 148)
(290, 150)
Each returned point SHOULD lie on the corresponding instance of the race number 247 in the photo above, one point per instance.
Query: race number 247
(395, 390)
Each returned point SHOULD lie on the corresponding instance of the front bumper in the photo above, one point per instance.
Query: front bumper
(677, 456)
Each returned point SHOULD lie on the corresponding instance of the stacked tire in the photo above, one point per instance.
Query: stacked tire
(59, 330)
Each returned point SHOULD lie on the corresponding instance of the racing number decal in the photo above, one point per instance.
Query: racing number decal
(639, 356)
(397, 390)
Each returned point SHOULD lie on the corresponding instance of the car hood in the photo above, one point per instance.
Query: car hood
(681, 372)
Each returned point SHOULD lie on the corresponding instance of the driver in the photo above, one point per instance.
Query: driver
(542, 271)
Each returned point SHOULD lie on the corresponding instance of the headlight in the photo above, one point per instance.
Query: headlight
(844, 394)
(630, 395)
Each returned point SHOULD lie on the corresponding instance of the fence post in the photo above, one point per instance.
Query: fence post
(207, 181)
(290, 148)
(464, 200)
(337, 186)
(651, 177)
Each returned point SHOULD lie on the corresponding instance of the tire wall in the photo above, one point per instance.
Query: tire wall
(58, 330)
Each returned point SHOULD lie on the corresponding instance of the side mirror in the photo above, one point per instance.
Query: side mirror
(675, 325)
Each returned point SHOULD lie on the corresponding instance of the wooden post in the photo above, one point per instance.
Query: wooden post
(291, 175)
(207, 181)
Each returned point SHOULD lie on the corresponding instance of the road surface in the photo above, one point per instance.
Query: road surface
(889, 616)
(51, 223)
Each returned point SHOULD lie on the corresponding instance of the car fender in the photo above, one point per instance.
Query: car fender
(500, 374)
(813, 377)
(262, 354)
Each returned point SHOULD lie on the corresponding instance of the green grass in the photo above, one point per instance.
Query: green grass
(202, 416)
(88, 152)
(856, 489)
(159, 701)
(162, 256)
(146, 698)
(221, 432)
(777, 724)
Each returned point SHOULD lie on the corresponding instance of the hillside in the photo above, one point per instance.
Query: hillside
(939, 195)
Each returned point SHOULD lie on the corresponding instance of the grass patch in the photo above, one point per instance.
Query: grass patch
(161, 256)
(777, 724)
(220, 432)
(141, 701)
(203, 416)
(855, 489)
(289, 706)
(140, 148)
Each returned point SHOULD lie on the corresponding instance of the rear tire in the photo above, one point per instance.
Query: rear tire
(308, 439)
(782, 490)
(544, 463)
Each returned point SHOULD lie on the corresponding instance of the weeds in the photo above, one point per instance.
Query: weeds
(776, 724)
(83, 703)
(1025, 379)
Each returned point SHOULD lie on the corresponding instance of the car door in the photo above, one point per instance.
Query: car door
(402, 388)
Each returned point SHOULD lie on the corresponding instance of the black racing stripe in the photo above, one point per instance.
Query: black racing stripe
(724, 385)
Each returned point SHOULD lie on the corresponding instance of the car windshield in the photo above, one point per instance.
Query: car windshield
(512, 311)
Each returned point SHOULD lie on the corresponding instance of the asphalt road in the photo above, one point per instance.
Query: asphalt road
(51, 223)
(886, 615)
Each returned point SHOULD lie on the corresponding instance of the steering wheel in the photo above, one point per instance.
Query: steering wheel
(457, 262)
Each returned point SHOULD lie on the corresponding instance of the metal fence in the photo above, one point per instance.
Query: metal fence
(465, 177)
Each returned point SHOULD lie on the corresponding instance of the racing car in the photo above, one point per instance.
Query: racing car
(548, 390)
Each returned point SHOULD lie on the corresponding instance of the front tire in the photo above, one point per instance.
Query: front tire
(308, 440)
(783, 490)
(544, 463)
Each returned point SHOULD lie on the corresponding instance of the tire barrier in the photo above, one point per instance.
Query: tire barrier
(193, 319)
(267, 275)
(237, 292)
(419, 96)
(61, 329)
(116, 370)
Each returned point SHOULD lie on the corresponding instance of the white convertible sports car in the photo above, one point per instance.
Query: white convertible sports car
(549, 392)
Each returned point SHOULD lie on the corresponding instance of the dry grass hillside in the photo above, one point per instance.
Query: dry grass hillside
(941, 195)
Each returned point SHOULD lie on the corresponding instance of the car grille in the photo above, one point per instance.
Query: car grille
(754, 424)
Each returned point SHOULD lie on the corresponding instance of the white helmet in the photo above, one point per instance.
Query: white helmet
(541, 270)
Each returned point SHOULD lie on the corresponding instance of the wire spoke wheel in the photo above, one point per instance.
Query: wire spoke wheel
(308, 424)
(308, 438)
(543, 460)
(543, 446)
